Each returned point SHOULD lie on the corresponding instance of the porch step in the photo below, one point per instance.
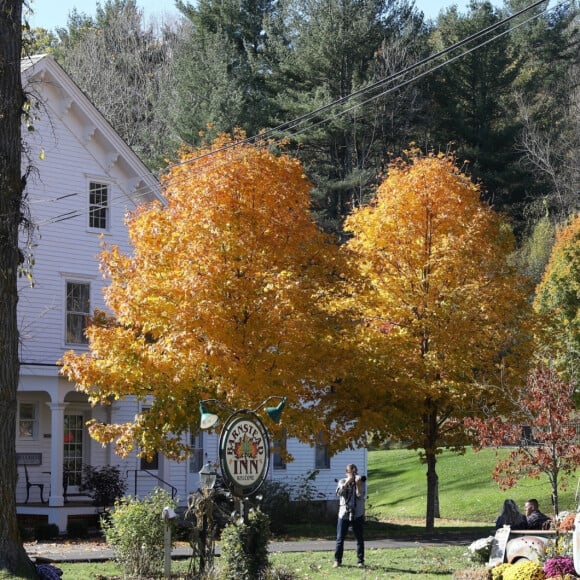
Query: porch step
(83, 497)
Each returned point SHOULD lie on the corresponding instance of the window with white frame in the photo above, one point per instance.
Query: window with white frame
(77, 311)
(28, 421)
(99, 205)
(149, 463)
(321, 454)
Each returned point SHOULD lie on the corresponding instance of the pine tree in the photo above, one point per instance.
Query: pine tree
(219, 70)
(473, 101)
(327, 50)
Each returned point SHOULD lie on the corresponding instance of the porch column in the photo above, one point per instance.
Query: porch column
(56, 498)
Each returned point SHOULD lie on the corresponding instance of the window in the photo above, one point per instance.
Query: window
(144, 462)
(28, 421)
(278, 452)
(152, 465)
(98, 205)
(77, 311)
(196, 448)
(321, 455)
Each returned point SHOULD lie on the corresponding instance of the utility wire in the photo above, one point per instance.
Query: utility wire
(299, 120)
(268, 135)
(263, 137)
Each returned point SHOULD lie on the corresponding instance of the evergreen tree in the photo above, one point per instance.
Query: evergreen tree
(473, 101)
(549, 106)
(219, 69)
(326, 50)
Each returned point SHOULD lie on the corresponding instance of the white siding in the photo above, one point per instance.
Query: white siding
(71, 144)
(66, 249)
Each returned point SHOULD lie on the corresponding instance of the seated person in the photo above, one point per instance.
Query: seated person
(511, 516)
(536, 519)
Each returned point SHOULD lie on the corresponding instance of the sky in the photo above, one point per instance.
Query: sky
(51, 14)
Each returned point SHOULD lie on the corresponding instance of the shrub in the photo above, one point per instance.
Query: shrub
(277, 504)
(497, 571)
(244, 547)
(46, 532)
(566, 524)
(557, 547)
(104, 484)
(135, 531)
(26, 534)
(296, 502)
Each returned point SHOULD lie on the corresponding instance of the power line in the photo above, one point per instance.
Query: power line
(263, 137)
(300, 122)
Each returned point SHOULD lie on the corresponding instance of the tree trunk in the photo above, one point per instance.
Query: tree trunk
(555, 502)
(13, 558)
(432, 491)
(431, 432)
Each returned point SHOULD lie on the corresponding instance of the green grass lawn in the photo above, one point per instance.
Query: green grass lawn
(421, 563)
(397, 487)
(469, 500)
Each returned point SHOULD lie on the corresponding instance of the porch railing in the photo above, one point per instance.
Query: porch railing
(145, 473)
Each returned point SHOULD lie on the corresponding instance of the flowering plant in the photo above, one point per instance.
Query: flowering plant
(558, 566)
(480, 550)
(557, 548)
(524, 570)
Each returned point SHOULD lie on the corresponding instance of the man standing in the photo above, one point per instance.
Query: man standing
(351, 491)
(536, 519)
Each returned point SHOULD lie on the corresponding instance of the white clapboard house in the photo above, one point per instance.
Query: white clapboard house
(87, 179)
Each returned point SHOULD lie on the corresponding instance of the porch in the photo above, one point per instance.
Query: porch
(35, 513)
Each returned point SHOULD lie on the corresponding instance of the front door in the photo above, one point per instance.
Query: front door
(74, 451)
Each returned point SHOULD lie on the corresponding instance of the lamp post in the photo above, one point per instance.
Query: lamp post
(204, 514)
(207, 477)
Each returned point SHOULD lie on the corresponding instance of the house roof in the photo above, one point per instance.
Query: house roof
(138, 182)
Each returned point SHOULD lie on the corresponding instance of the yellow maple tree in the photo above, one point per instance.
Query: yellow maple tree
(222, 297)
(444, 316)
(558, 297)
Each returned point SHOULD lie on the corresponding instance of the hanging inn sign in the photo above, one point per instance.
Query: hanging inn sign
(244, 453)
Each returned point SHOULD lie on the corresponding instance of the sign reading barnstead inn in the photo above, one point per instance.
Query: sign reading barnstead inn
(244, 453)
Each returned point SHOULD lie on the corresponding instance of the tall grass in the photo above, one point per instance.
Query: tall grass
(397, 487)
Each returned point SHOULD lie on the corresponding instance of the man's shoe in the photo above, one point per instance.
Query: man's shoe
(336, 565)
(361, 565)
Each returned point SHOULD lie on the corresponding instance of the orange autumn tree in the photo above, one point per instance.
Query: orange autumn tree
(443, 314)
(220, 298)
